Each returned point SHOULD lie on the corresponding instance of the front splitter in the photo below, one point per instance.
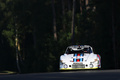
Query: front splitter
(77, 68)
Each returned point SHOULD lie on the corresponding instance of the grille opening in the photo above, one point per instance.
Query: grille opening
(78, 65)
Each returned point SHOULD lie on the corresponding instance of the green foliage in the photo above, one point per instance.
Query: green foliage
(9, 35)
(33, 20)
(2, 5)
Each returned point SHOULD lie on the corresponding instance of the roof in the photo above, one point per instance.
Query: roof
(79, 46)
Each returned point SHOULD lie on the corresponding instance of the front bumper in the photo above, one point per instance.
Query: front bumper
(77, 68)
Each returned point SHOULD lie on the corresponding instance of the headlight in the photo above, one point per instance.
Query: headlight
(65, 65)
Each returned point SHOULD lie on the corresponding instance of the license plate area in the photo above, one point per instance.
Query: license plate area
(78, 65)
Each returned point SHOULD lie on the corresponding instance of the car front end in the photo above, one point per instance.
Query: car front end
(75, 62)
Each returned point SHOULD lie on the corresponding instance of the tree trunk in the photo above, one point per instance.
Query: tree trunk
(113, 35)
(81, 6)
(86, 4)
(73, 22)
(17, 49)
(69, 5)
(34, 37)
(54, 21)
(63, 13)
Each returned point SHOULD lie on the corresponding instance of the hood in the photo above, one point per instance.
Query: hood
(77, 57)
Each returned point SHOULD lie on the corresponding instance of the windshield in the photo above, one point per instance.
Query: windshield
(85, 50)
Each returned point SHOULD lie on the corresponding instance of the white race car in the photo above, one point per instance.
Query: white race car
(79, 57)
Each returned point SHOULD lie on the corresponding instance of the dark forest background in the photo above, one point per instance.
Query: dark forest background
(34, 33)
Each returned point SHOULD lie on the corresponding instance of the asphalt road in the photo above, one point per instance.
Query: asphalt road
(67, 75)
